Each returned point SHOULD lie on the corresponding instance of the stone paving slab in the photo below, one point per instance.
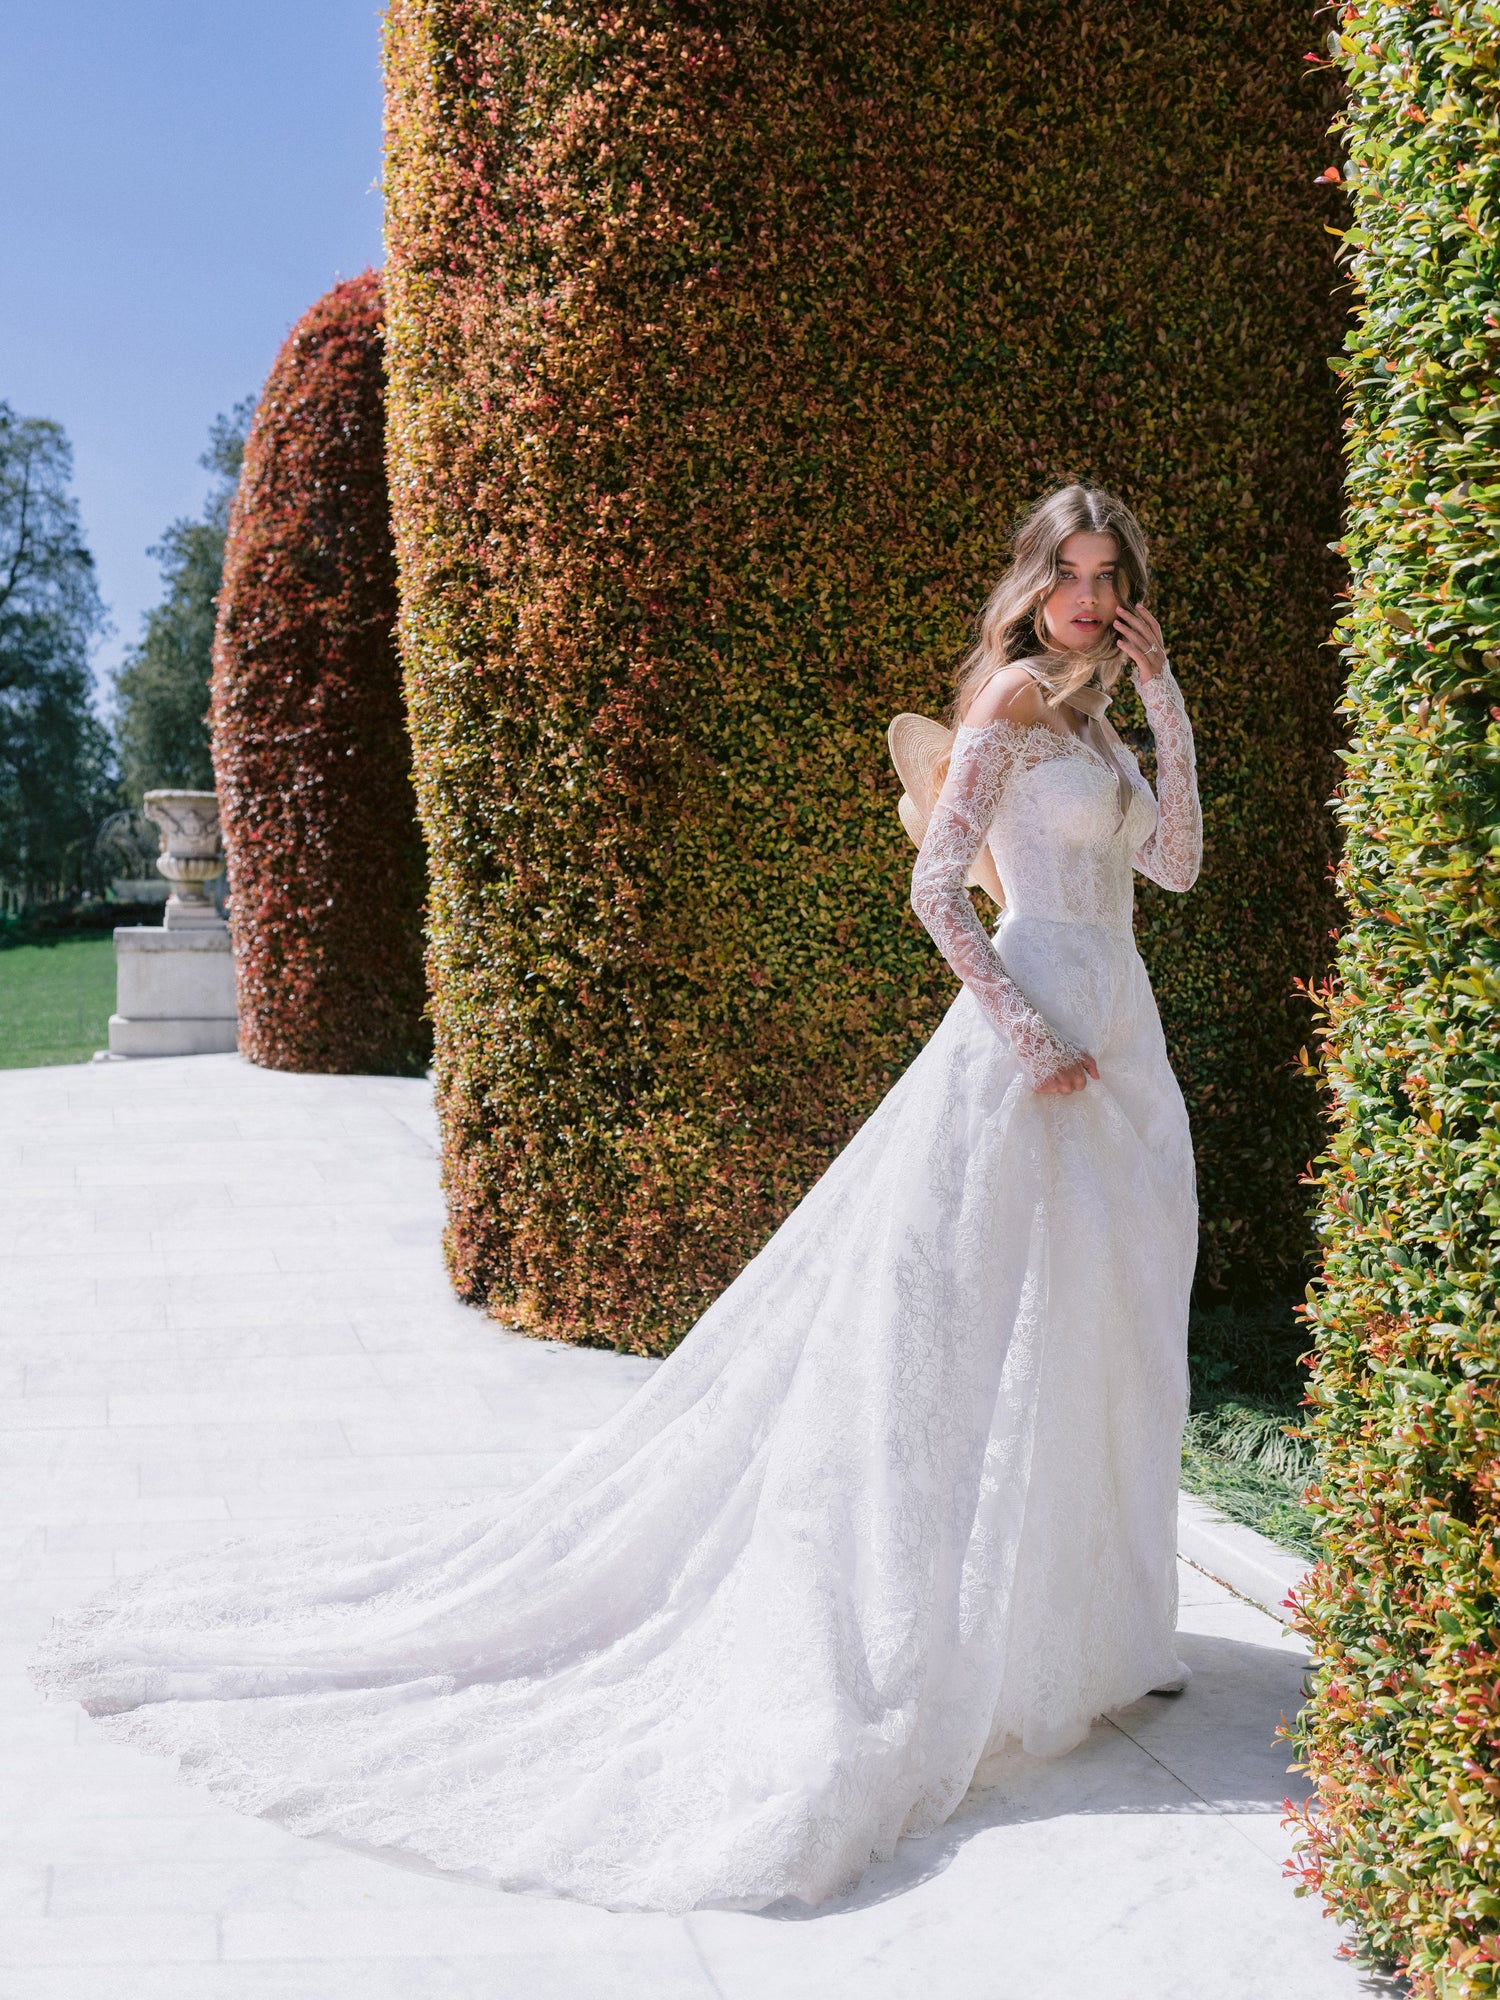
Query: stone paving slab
(221, 1302)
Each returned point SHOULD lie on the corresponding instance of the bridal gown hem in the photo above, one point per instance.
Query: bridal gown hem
(903, 1497)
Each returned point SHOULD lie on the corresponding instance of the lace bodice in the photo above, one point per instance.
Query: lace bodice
(1049, 806)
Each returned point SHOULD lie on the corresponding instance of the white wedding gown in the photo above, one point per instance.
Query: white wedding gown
(905, 1493)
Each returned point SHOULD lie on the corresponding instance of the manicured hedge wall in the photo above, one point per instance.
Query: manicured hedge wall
(1403, 1735)
(311, 755)
(726, 344)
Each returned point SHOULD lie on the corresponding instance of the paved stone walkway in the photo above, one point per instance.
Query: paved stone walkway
(221, 1302)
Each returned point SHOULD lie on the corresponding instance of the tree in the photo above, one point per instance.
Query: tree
(55, 767)
(161, 691)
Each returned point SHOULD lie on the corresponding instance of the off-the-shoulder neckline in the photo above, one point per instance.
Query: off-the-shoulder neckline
(1025, 729)
(1070, 743)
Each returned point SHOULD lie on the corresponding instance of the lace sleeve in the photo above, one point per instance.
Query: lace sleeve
(977, 774)
(1175, 849)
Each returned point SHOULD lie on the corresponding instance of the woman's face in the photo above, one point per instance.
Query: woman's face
(1079, 611)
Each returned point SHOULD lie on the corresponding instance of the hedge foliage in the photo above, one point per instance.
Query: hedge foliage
(311, 754)
(1403, 1734)
(726, 344)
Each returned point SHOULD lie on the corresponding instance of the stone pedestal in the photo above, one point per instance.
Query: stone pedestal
(174, 992)
(175, 986)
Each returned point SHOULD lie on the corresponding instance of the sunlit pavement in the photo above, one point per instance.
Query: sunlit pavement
(222, 1302)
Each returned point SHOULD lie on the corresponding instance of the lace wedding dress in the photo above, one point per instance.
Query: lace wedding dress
(904, 1495)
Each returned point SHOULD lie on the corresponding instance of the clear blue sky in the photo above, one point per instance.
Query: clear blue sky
(179, 180)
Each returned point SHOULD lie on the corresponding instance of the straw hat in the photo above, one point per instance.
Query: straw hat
(920, 750)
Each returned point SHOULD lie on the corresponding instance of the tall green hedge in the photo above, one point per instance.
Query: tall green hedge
(311, 755)
(726, 344)
(1403, 1735)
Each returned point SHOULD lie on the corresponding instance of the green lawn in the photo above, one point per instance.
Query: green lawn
(55, 1001)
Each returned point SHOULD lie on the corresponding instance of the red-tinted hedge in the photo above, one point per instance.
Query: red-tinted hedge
(726, 344)
(311, 754)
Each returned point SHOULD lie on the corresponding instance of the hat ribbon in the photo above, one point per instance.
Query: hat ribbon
(1091, 702)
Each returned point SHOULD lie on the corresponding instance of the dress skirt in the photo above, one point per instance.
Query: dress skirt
(905, 1493)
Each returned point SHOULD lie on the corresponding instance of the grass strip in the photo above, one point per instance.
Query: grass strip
(55, 1001)
(1253, 1495)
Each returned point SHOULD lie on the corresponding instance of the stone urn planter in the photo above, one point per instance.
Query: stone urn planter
(192, 854)
(176, 980)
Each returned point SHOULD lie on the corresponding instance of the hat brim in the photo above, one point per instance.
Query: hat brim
(920, 749)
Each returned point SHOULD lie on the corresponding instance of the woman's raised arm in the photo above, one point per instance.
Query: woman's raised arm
(1173, 853)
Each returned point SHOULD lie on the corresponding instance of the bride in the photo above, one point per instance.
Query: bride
(904, 1496)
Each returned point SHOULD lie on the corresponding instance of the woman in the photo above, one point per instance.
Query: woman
(904, 1495)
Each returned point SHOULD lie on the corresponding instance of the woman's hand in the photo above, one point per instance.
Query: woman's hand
(1138, 637)
(1074, 1077)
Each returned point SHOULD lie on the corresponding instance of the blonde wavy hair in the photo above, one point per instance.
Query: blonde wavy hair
(1011, 625)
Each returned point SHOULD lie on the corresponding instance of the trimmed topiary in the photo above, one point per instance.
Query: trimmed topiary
(725, 345)
(311, 755)
(1403, 1733)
